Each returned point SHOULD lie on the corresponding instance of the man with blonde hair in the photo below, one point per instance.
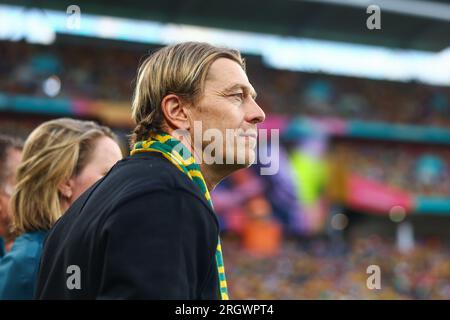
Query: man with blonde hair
(148, 229)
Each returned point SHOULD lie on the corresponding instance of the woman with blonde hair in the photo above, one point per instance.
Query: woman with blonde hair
(61, 159)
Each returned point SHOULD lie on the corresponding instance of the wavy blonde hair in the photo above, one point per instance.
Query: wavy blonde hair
(55, 151)
(179, 69)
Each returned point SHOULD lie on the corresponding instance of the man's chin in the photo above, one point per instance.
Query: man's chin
(238, 160)
(246, 161)
(230, 168)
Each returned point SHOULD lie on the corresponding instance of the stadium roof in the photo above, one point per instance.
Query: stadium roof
(406, 24)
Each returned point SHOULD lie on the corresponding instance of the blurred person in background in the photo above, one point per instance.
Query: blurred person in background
(61, 159)
(10, 156)
(148, 230)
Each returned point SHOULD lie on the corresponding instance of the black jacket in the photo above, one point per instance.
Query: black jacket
(144, 231)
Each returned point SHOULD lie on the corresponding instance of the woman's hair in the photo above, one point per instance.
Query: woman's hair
(179, 69)
(55, 151)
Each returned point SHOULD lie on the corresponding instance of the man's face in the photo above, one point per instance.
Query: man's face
(228, 106)
(14, 156)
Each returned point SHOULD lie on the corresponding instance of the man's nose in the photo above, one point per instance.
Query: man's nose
(254, 113)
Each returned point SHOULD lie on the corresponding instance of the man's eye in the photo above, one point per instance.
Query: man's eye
(238, 95)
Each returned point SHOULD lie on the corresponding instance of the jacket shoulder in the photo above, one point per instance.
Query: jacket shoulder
(144, 174)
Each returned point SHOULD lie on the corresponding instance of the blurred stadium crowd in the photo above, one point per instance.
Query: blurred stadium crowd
(319, 270)
(422, 170)
(107, 73)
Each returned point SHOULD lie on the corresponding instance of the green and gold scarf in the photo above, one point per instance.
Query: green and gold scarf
(174, 151)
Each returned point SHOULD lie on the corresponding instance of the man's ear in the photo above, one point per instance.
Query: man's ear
(65, 188)
(174, 110)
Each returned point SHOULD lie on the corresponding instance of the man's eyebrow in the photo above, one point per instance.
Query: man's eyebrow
(246, 89)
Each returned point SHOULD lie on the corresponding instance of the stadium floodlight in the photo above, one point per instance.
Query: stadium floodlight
(18, 23)
(418, 8)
